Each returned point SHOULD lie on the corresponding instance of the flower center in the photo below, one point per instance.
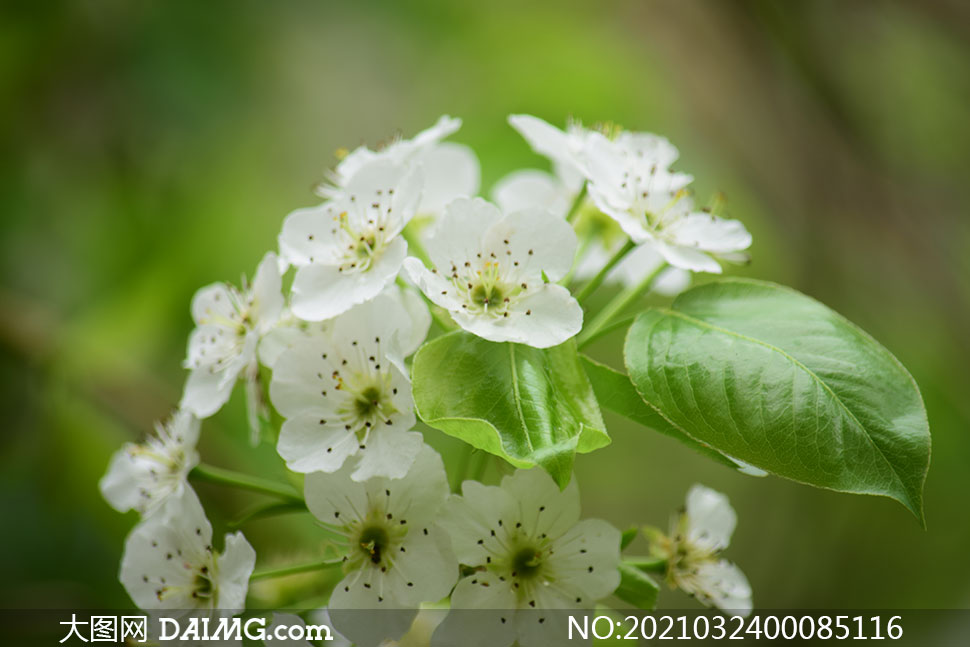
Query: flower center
(374, 542)
(488, 290)
(202, 586)
(484, 295)
(368, 402)
(527, 562)
(363, 245)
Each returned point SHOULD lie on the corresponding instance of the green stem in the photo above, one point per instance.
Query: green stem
(648, 564)
(576, 205)
(618, 305)
(580, 253)
(222, 476)
(595, 282)
(605, 330)
(266, 510)
(293, 570)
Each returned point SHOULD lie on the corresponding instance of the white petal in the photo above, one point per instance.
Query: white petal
(544, 508)
(687, 258)
(350, 609)
(586, 560)
(351, 163)
(426, 571)
(234, 566)
(267, 293)
(206, 391)
(309, 446)
(458, 235)
(545, 139)
(530, 189)
(446, 125)
(387, 185)
(414, 499)
(436, 288)
(723, 585)
(650, 148)
(606, 164)
(213, 304)
(302, 378)
(323, 291)
(419, 318)
(417, 497)
(382, 324)
(284, 336)
(632, 226)
(388, 453)
(482, 614)
(710, 233)
(308, 235)
(142, 477)
(472, 517)
(554, 316)
(334, 498)
(538, 240)
(710, 518)
(119, 485)
(450, 171)
(169, 545)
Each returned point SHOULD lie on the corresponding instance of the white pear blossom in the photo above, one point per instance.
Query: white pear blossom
(496, 273)
(450, 170)
(346, 394)
(143, 476)
(564, 148)
(529, 552)
(532, 188)
(349, 248)
(169, 562)
(630, 181)
(224, 345)
(395, 556)
(692, 550)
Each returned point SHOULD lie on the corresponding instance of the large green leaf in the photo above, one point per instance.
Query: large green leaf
(530, 406)
(776, 379)
(616, 393)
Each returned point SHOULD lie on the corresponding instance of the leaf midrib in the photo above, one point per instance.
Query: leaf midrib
(517, 398)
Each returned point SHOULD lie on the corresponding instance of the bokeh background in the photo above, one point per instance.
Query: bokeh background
(151, 148)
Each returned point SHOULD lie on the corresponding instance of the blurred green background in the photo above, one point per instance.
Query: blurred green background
(151, 148)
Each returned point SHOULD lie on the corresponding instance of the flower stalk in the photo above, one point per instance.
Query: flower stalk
(600, 276)
(222, 476)
(618, 305)
(283, 571)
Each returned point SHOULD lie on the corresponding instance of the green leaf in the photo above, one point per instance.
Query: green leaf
(637, 588)
(774, 378)
(527, 405)
(616, 393)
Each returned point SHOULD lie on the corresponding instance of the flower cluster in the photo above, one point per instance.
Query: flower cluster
(692, 552)
(401, 238)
